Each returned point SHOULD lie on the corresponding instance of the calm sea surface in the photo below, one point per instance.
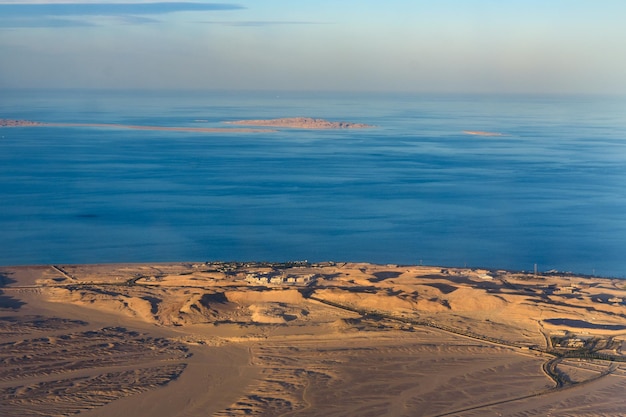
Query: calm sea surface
(551, 191)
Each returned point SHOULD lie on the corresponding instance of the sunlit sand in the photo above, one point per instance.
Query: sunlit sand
(328, 339)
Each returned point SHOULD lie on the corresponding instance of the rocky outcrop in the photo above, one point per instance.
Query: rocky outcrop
(293, 122)
(17, 123)
(302, 123)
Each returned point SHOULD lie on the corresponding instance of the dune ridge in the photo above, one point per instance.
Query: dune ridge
(227, 338)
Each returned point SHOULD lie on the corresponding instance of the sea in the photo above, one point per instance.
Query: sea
(548, 193)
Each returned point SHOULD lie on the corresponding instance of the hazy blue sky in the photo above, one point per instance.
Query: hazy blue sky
(370, 45)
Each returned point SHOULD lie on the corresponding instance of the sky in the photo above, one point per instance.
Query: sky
(459, 46)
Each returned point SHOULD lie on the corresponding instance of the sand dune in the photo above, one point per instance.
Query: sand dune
(297, 339)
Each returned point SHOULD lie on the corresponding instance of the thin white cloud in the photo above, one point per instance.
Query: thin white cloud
(66, 14)
(108, 8)
(88, 1)
(257, 23)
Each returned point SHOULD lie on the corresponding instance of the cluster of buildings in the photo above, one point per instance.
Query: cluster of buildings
(271, 278)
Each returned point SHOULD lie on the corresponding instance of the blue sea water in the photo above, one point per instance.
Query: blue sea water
(415, 189)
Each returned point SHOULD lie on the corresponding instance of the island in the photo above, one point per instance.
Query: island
(301, 123)
(481, 133)
(262, 125)
(308, 339)
(18, 123)
(29, 123)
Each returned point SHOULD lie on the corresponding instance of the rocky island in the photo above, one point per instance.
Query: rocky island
(17, 123)
(481, 133)
(262, 125)
(302, 123)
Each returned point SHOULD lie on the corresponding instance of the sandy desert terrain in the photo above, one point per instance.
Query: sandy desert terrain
(300, 339)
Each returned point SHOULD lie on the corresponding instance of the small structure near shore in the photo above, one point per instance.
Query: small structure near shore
(280, 279)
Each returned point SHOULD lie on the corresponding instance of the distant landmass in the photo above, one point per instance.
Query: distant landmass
(302, 123)
(26, 123)
(17, 123)
(481, 133)
(293, 122)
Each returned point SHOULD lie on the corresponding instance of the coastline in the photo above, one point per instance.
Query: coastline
(293, 123)
(302, 123)
(28, 123)
(162, 128)
(225, 338)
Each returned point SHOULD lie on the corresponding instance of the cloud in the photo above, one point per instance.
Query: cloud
(107, 9)
(55, 14)
(257, 23)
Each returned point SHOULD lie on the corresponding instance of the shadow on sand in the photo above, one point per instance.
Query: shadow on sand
(7, 302)
(581, 324)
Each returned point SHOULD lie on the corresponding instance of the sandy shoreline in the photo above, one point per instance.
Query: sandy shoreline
(297, 122)
(258, 126)
(163, 128)
(28, 123)
(304, 339)
(302, 123)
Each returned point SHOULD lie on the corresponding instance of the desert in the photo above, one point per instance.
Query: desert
(309, 339)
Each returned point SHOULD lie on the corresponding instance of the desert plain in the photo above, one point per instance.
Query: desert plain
(308, 339)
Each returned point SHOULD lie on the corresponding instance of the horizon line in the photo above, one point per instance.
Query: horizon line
(312, 91)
